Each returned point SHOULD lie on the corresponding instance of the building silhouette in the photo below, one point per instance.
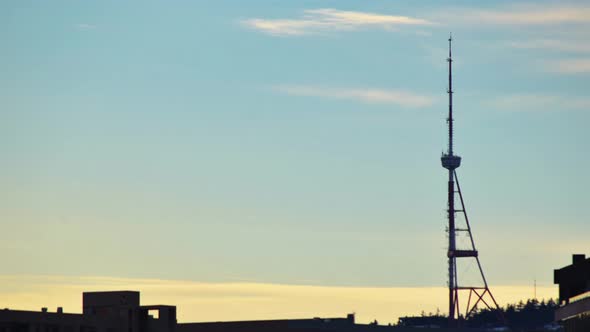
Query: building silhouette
(574, 294)
(120, 311)
(117, 311)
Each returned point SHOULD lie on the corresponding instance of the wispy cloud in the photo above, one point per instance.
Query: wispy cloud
(366, 95)
(540, 103)
(563, 65)
(573, 46)
(85, 26)
(314, 21)
(568, 66)
(325, 19)
(522, 14)
(544, 27)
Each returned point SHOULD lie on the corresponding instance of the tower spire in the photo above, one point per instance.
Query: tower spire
(450, 92)
(451, 162)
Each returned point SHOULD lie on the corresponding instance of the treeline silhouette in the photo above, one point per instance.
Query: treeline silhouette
(521, 316)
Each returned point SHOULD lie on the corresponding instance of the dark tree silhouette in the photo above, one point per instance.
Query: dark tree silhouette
(522, 316)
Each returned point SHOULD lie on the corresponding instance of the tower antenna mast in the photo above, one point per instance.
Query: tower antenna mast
(478, 294)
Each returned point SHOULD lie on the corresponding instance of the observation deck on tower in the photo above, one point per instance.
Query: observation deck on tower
(450, 162)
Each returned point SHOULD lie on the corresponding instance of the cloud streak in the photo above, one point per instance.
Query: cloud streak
(573, 46)
(553, 27)
(540, 102)
(85, 26)
(577, 62)
(365, 95)
(569, 66)
(524, 14)
(328, 19)
(314, 21)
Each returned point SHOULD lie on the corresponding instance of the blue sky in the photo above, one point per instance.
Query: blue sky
(290, 142)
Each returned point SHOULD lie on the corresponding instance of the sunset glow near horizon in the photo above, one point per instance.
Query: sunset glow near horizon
(287, 151)
(206, 302)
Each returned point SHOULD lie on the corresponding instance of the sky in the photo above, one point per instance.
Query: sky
(290, 143)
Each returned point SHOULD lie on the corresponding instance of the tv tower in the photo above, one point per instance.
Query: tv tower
(477, 294)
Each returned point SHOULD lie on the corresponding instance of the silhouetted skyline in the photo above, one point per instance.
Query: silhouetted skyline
(290, 143)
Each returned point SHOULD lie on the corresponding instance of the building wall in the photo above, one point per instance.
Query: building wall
(574, 289)
(120, 308)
